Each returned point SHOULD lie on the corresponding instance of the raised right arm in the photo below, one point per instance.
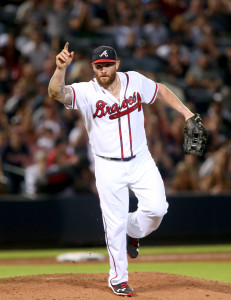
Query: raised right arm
(56, 88)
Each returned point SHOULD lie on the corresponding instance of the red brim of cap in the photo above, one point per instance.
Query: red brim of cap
(103, 60)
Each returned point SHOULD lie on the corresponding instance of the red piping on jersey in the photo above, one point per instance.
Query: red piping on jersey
(73, 104)
(130, 134)
(121, 139)
(106, 238)
(127, 85)
(154, 97)
(129, 124)
(105, 229)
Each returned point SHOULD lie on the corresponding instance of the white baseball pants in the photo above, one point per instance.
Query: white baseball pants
(113, 180)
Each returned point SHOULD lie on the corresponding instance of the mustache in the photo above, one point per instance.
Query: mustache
(110, 78)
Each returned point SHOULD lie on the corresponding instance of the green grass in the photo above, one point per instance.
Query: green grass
(9, 254)
(186, 249)
(220, 271)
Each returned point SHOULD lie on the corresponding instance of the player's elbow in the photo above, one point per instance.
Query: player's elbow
(52, 94)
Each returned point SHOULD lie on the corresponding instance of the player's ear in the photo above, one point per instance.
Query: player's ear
(117, 65)
(93, 67)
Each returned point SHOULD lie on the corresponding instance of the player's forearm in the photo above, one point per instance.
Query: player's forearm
(168, 98)
(57, 89)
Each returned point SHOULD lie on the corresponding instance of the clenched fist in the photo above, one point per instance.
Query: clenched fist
(64, 58)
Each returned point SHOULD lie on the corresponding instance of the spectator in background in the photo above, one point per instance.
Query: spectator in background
(48, 68)
(35, 174)
(202, 36)
(14, 100)
(59, 156)
(203, 83)
(48, 126)
(14, 158)
(181, 23)
(127, 30)
(218, 124)
(79, 18)
(177, 60)
(163, 161)
(218, 13)
(57, 25)
(224, 63)
(217, 181)
(146, 9)
(155, 32)
(36, 50)
(186, 175)
(100, 11)
(175, 139)
(31, 13)
(184, 180)
(64, 168)
(28, 77)
(172, 8)
(69, 118)
(46, 138)
(81, 70)
(126, 34)
(11, 55)
(199, 29)
(4, 77)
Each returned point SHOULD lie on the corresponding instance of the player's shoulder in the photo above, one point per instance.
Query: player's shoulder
(133, 77)
(82, 86)
(133, 74)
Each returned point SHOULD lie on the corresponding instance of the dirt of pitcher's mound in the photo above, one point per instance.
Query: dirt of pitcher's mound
(147, 286)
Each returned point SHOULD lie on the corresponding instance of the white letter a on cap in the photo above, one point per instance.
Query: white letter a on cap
(104, 53)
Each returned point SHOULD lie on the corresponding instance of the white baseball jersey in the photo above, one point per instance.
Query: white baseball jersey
(115, 128)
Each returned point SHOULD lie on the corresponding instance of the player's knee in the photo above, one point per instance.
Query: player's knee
(158, 210)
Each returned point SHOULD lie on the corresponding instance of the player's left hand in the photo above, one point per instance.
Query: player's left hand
(195, 136)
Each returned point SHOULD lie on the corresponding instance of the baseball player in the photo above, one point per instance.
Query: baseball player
(111, 107)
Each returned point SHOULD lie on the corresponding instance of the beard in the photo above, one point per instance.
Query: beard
(106, 81)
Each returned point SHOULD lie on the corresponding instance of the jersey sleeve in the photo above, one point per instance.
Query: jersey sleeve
(79, 97)
(148, 89)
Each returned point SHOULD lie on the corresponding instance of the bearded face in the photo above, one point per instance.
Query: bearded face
(105, 73)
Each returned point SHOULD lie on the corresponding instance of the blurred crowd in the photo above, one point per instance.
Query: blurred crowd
(184, 44)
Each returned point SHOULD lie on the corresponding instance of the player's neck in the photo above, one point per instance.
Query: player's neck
(114, 87)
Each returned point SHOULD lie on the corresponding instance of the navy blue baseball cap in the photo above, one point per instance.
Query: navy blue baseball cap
(104, 54)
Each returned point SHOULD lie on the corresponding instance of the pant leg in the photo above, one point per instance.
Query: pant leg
(114, 201)
(148, 186)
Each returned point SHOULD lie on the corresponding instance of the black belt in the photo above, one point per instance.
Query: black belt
(118, 159)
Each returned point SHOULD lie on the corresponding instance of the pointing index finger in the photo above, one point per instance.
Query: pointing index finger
(66, 46)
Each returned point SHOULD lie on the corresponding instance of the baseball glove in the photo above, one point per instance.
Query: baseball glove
(195, 136)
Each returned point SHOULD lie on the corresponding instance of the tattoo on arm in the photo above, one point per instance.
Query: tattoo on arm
(61, 93)
(66, 94)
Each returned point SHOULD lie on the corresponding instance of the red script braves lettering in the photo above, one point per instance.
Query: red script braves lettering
(115, 111)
